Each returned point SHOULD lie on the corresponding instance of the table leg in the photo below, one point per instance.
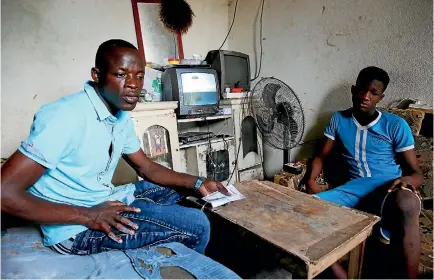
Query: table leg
(356, 261)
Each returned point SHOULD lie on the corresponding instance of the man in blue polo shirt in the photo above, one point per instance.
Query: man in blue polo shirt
(381, 174)
(61, 174)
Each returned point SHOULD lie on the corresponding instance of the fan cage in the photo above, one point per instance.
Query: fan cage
(278, 113)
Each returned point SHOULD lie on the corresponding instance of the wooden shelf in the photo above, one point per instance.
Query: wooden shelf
(201, 142)
(201, 119)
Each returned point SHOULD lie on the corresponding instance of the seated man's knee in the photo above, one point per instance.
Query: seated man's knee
(407, 204)
(201, 228)
(203, 223)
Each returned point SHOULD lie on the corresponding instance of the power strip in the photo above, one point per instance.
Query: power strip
(235, 95)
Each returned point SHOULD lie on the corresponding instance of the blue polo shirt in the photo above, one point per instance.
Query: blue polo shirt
(370, 150)
(80, 143)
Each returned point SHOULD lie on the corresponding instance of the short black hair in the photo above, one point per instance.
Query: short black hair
(105, 48)
(368, 74)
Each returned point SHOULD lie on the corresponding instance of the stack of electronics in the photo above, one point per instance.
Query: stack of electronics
(198, 88)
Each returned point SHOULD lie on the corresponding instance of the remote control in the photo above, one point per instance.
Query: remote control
(294, 168)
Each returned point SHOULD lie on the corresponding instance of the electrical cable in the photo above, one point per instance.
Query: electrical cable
(262, 159)
(216, 136)
(232, 24)
(225, 143)
(235, 165)
(258, 71)
(243, 102)
(218, 133)
(211, 157)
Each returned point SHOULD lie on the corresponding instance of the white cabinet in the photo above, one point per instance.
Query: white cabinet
(213, 157)
(211, 160)
(156, 126)
(250, 157)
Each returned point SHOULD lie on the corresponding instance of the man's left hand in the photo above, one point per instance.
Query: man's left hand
(210, 186)
(403, 183)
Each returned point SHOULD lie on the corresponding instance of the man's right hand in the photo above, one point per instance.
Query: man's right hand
(316, 167)
(312, 187)
(105, 216)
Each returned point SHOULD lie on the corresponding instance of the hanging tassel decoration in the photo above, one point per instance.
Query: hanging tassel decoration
(176, 15)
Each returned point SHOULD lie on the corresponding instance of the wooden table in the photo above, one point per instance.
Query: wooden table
(308, 229)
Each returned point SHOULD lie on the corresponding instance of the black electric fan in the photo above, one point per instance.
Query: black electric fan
(278, 114)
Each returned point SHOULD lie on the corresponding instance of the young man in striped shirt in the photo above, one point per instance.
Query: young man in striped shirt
(383, 175)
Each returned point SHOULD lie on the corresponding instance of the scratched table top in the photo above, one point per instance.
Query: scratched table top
(315, 231)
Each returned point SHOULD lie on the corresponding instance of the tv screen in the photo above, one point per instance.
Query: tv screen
(236, 71)
(199, 89)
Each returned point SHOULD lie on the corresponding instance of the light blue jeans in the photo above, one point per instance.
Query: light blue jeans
(24, 257)
(161, 220)
(148, 263)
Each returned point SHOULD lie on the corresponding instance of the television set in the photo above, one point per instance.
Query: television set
(233, 69)
(196, 89)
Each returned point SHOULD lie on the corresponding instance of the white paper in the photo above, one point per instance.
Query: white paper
(217, 199)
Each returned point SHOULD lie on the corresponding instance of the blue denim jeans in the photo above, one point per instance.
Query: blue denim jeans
(23, 257)
(148, 263)
(161, 220)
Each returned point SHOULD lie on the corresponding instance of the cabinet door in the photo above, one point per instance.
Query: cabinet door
(158, 135)
(156, 145)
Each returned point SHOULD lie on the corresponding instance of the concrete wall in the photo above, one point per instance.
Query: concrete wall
(49, 46)
(318, 48)
(48, 49)
(209, 27)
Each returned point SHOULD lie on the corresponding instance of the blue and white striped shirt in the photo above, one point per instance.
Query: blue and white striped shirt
(370, 150)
